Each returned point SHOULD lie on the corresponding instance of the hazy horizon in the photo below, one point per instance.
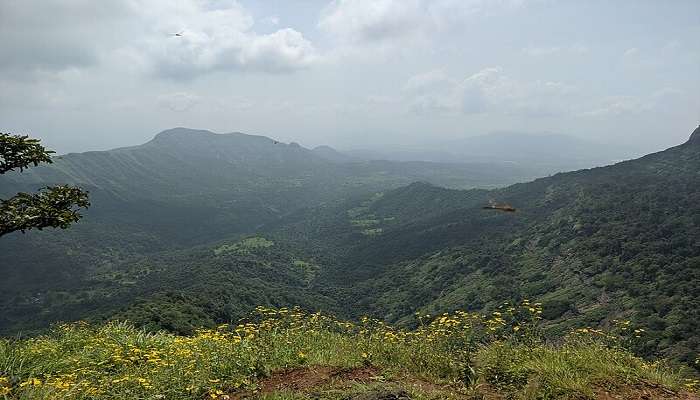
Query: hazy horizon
(361, 74)
(404, 152)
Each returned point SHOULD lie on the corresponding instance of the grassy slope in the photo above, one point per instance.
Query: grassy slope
(287, 354)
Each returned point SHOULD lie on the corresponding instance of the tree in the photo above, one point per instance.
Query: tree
(50, 207)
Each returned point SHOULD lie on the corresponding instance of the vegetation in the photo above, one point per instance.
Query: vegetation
(286, 353)
(593, 246)
(19, 152)
(54, 207)
(181, 190)
(245, 246)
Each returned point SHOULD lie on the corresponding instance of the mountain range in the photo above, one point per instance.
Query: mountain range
(547, 153)
(194, 228)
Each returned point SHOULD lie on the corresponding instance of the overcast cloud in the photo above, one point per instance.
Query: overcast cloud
(85, 74)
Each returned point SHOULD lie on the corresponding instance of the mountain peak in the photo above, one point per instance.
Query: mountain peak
(695, 137)
(181, 132)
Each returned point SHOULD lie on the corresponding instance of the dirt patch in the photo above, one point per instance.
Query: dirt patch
(643, 391)
(312, 379)
(381, 395)
(296, 379)
(425, 386)
(307, 378)
(303, 379)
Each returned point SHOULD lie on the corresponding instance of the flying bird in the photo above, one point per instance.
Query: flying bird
(500, 207)
(179, 34)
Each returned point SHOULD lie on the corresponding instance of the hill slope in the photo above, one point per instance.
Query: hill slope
(182, 189)
(617, 242)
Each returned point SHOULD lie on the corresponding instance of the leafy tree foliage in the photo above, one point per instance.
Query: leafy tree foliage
(51, 207)
(55, 207)
(19, 152)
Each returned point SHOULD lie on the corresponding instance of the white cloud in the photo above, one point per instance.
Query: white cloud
(539, 51)
(631, 52)
(283, 50)
(432, 91)
(272, 20)
(179, 101)
(371, 20)
(672, 45)
(614, 106)
(579, 49)
(54, 35)
(216, 36)
(431, 81)
(218, 39)
(489, 91)
(382, 100)
(619, 105)
(377, 21)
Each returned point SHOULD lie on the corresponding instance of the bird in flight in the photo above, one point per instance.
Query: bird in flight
(179, 34)
(500, 207)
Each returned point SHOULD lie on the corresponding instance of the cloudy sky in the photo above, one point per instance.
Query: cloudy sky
(85, 74)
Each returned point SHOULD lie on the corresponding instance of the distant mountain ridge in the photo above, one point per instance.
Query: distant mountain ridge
(550, 153)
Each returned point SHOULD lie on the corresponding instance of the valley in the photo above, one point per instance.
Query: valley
(206, 239)
(349, 200)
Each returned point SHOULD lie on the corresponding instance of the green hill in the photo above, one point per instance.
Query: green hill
(182, 189)
(617, 242)
(288, 228)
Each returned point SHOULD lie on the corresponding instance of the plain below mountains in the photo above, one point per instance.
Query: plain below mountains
(546, 153)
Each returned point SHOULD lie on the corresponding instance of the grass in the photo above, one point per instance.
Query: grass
(457, 355)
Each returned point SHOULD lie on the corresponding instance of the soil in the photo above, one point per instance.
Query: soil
(304, 379)
(643, 391)
(381, 395)
(309, 379)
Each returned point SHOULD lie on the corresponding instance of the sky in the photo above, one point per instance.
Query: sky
(91, 75)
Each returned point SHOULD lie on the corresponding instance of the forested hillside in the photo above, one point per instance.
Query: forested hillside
(182, 189)
(618, 242)
(593, 246)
